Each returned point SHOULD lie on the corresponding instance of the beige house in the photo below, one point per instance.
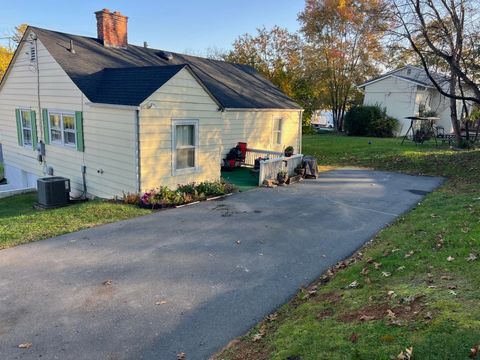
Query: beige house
(405, 91)
(129, 118)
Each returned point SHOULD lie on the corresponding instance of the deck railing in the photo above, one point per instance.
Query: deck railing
(270, 168)
(275, 161)
(253, 154)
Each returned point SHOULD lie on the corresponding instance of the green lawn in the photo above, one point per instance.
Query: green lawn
(415, 286)
(21, 223)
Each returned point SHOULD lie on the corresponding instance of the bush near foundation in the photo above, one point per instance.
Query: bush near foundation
(163, 197)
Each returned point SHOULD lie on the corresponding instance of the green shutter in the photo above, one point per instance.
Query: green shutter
(79, 130)
(19, 127)
(46, 132)
(33, 121)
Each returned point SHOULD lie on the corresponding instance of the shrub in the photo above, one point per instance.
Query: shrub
(131, 199)
(369, 120)
(164, 197)
(308, 130)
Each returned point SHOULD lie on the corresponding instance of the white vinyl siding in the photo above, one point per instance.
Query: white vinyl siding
(62, 128)
(109, 133)
(257, 129)
(178, 101)
(26, 122)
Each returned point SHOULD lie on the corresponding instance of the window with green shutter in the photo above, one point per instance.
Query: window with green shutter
(26, 128)
(64, 128)
(79, 130)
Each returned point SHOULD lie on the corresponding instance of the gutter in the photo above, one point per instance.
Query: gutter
(112, 106)
(260, 109)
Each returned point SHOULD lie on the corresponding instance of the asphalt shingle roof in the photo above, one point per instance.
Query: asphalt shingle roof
(115, 75)
(415, 74)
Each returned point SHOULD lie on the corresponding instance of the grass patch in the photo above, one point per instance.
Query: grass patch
(434, 301)
(20, 223)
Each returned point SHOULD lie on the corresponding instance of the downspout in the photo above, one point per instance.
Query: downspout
(137, 151)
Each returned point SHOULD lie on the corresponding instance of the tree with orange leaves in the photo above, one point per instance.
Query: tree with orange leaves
(344, 46)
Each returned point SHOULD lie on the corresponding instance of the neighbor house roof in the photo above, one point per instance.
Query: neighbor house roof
(129, 75)
(412, 74)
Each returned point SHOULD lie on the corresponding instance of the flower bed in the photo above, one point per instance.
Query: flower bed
(163, 197)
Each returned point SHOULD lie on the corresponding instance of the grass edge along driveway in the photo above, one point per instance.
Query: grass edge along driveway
(20, 223)
(414, 288)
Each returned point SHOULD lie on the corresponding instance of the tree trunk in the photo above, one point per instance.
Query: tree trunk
(453, 112)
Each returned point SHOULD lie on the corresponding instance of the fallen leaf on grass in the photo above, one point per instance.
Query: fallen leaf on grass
(406, 354)
(391, 294)
(107, 282)
(367, 318)
(364, 271)
(440, 243)
(410, 253)
(396, 322)
(353, 338)
(353, 285)
(258, 336)
(450, 258)
(401, 268)
(25, 346)
(272, 317)
(471, 257)
(386, 273)
(162, 302)
(377, 265)
(451, 292)
(391, 314)
(474, 350)
(428, 316)
(446, 277)
(181, 356)
(452, 287)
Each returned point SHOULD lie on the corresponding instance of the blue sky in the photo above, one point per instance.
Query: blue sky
(182, 25)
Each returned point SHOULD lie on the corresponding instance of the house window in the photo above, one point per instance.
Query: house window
(185, 135)
(277, 130)
(26, 123)
(62, 128)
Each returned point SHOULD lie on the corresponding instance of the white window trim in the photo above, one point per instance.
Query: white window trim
(62, 129)
(275, 132)
(190, 170)
(29, 146)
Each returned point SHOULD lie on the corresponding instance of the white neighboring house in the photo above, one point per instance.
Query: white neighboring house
(403, 92)
(130, 118)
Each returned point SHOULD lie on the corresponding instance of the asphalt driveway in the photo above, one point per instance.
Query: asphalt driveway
(189, 279)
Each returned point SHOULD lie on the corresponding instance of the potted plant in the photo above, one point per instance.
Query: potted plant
(282, 177)
(288, 151)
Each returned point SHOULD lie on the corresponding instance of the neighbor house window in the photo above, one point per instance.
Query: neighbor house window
(26, 122)
(277, 130)
(62, 128)
(185, 136)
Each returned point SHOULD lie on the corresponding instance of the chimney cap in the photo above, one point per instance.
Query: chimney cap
(104, 10)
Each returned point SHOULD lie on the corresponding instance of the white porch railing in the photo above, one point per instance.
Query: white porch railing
(270, 168)
(253, 154)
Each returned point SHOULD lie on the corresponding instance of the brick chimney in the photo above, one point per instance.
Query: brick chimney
(112, 28)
